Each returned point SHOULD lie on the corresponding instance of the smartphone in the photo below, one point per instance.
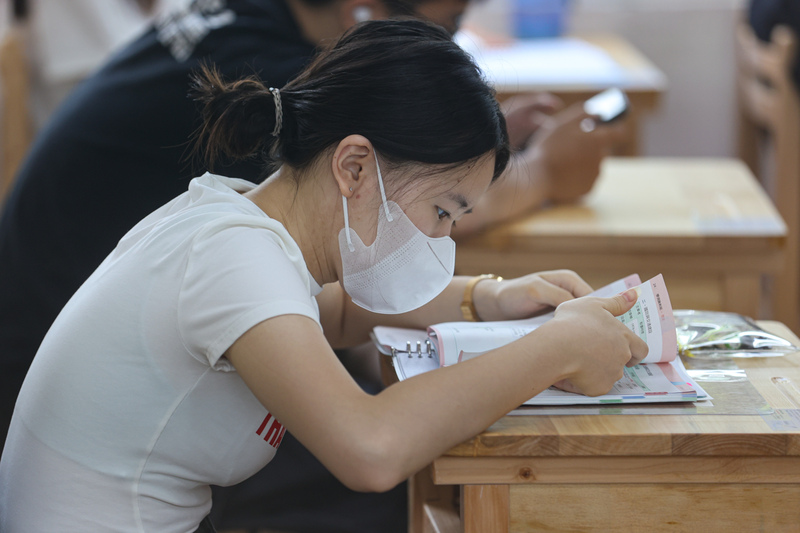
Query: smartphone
(607, 106)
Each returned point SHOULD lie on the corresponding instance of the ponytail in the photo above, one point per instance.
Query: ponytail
(238, 117)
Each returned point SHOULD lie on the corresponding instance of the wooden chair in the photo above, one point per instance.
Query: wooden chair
(16, 128)
(769, 142)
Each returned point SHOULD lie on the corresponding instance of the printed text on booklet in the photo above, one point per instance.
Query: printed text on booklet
(660, 378)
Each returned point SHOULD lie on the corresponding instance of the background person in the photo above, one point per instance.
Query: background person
(764, 15)
(47, 47)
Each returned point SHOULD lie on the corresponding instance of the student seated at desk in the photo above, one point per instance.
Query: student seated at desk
(116, 150)
(209, 329)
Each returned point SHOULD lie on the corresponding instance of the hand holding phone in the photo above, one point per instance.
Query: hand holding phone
(607, 106)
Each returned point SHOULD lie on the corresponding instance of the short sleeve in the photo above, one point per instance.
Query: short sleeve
(235, 278)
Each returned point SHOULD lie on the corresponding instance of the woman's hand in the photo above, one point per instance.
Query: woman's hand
(595, 344)
(567, 159)
(525, 296)
(526, 113)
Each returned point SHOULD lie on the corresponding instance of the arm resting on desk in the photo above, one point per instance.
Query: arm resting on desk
(371, 443)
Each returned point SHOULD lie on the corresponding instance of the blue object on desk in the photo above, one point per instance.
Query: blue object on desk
(539, 18)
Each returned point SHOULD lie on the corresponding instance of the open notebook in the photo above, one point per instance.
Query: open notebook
(661, 377)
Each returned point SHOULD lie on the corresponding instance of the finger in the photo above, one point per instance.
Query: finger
(639, 350)
(569, 280)
(574, 113)
(550, 100)
(548, 293)
(621, 303)
(537, 118)
(543, 108)
(522, 125)
(610, 134)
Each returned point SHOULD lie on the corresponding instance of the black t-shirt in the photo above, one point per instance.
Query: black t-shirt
(115, 151)
(764, 15)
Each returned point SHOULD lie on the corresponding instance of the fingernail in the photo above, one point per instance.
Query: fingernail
(629, 295)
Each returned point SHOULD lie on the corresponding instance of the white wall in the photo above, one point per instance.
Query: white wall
(691, 41)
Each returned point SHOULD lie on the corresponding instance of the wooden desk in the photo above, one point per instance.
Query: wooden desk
(628, 472)
(642, 81)
(705, 224)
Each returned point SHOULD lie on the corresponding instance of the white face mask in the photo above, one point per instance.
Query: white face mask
(402, 270)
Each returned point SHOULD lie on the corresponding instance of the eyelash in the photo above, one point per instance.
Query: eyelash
(443, 214)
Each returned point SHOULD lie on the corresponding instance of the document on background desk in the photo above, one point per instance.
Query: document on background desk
(552, 62)
(661, 377)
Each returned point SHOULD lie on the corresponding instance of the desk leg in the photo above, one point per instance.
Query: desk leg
(431, 508)
(416, 500)
(485, 508)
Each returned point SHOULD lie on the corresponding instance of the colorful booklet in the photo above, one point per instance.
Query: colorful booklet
(660, 377)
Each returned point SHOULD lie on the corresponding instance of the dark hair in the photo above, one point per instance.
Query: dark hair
(404, 85)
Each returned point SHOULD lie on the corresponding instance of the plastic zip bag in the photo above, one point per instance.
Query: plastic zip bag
(714, 334)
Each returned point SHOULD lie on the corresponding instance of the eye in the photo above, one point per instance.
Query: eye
(443, 214)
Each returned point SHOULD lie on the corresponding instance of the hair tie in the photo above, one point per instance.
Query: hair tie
(276, 95)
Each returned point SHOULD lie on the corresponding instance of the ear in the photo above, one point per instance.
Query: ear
(352, 12)
(352, 161)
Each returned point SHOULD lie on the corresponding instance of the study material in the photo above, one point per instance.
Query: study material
(661, 377)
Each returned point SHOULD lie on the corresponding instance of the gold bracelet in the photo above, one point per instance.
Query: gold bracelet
(467, 305)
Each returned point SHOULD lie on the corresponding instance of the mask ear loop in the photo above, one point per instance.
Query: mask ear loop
(347, 225)
(383, 192)
(383, 197)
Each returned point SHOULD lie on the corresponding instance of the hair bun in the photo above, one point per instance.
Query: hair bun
(240, 118)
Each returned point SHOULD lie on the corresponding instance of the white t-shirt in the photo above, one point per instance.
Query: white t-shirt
(128, 412)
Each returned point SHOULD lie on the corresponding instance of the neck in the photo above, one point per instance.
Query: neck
(317, 23)
(303, 206)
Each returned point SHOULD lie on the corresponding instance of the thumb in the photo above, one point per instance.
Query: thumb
(613, 133)
(544, 108)
(537, 118)
(621, 303)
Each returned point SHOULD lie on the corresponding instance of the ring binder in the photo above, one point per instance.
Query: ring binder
(430, 350)
(411, 351)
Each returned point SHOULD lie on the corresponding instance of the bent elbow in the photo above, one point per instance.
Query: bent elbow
(375, 467)
(374, 480)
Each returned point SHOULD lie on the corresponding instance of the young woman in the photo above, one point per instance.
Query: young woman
(209, 330)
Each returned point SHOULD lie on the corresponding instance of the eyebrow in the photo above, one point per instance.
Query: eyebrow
(461, 200)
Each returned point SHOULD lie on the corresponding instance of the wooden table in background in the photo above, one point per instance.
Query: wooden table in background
(627, 472)
(643, 82)
(705, 224)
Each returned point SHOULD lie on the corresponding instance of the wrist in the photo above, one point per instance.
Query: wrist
(480, 298)
(549, 339)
